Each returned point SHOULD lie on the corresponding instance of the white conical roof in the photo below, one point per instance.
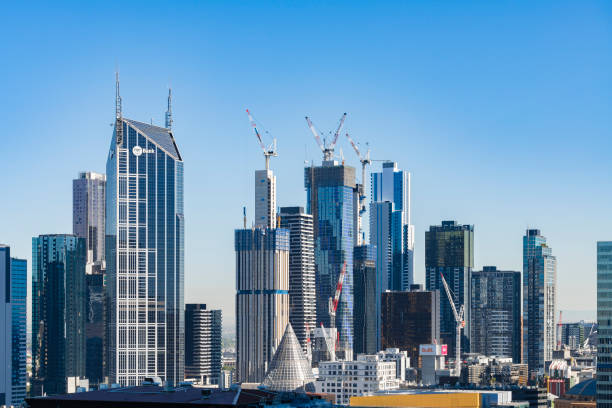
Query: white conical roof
(289, 369)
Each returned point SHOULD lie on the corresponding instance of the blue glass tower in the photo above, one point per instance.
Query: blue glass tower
(19, 273)
(331, 199)
(144, 254)
(58, 311)
(604, 322)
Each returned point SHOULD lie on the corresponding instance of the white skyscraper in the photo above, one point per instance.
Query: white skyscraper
(265, 199)
(391, 229)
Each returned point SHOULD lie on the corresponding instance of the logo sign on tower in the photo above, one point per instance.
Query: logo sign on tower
(137, 151)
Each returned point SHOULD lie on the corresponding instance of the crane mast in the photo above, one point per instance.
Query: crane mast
(269, 151)
(328, 151)
(362, 196)
(460, 324)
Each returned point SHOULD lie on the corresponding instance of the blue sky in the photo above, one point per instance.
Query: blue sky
(501, 110)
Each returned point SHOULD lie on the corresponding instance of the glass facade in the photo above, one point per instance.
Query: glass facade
(449, 250)
(202, 344)
(331, 200)
(58, 311)
(144, 255)
(604, 321)
(366, 318)
(19, 274)
(539, 301)
(88, 202)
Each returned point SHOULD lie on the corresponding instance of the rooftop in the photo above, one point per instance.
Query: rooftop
(162, 137)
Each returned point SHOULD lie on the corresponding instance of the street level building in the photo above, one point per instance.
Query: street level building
(144, 254)
(604, 321)
(302, 295)
(410, 319)
(449, 251)
(496, 313)
(58, 311)
(539, 301)
(331, 197)
(391, 229)
(202, 344)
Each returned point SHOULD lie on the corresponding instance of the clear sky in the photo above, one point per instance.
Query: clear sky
(500, 109)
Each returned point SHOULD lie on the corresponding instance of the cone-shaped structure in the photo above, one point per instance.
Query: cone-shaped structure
(289, 369)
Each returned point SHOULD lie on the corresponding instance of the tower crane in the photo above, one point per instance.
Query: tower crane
(460, 324)
(364, 162)
(328, 150)
(269, 151)
(333, 302)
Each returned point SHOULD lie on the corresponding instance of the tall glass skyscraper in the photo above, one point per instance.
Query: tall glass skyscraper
(391, 229)
(367, 294)
(449, 251)
(539, 301)
(58, 311)
(144, 254)
(604, 322)
(5, 326)
(88, 203)
(19, 277)
(331, 199)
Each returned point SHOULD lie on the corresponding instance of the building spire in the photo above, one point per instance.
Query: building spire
(118, 113)
(169, 111)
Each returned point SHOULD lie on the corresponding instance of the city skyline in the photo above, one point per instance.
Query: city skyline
(483, 151)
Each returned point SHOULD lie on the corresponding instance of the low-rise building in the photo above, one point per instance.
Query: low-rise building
(365, 375)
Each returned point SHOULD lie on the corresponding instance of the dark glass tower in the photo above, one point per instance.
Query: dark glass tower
(144, 254)
(330, 196)
(58, 311)
(19, 278)
(367, 297)
(449, 250)
(496, 313)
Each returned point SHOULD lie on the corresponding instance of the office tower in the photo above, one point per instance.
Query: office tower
(18, 279)
(88, 210)
(58, 311)
(302, 300)
(496, 313)
(262, 298)
(410, 319)
(330, 197)
(604, 322)
(391, 230)
(202, 343)
(94, 327)
(144, 254)
(6, 327)
(449, 251)
(265, 199)
(366, 318)
(539, 301)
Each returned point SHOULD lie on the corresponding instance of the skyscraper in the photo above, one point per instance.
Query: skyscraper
(94, 326)
(539, 301)
(265, 199)
(391, 230)
(58, 311)
(262, 298)
(366, 318)
(302, 300)
(6, 327)
(144, 254)
(604, 321)
(410, 319)
(449, 250)
(88, 210)
(330, 197)
(496, 313)
(202, 343)
(19, 275)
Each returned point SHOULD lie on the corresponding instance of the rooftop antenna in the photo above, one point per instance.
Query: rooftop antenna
(118, 113)
(169, 111)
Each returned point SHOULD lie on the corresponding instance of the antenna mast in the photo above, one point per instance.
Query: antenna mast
(169, 111)
(118, 111)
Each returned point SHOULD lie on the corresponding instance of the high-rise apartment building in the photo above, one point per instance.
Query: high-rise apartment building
(331, 198)
(604, 321)
(366, 319)
(262, 298)
(265, 199)
(539, 301)
(410, 319)
(88, 211)
(58, 311)
(449, 251)
(496, 313)
(302, 297)
(19, 278)
(202, 343)
(391, 229)
(144, 254)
